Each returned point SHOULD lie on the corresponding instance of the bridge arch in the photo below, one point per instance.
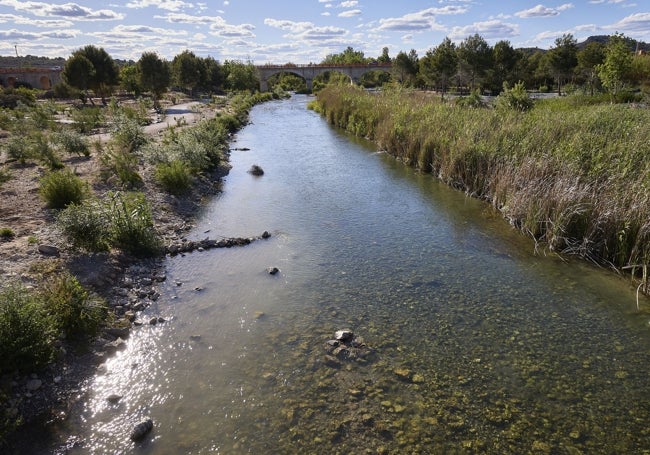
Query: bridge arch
(309, 72)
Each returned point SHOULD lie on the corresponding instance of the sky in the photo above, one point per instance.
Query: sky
(301, 31)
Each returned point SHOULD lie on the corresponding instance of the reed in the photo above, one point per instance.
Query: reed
(572, 174)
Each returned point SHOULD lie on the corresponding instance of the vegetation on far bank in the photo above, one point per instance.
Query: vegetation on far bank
(570, 173)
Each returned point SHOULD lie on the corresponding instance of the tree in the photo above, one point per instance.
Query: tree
(188, 70)
(155, 75)
(475, 58)
(589, 58)
(616, 67)
(563, 58)
(405, 67)
(505, 63)
(130, 79)
(77, 73)
(439, 65)
(241, 76)
(101, 79)
(384, 57)
(214, 77)
(348, 57)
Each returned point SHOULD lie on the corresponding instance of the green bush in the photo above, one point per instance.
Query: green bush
(5, 176)
(26, 331)
(127, 132)
(86, 225)
(121, 163)
(62, 188)
(86, 119)
(44, 152)
(515, 98)
(74, 311)
(132, 226)
(174, 177)
(72, 142)
(7, 233)
(18, 149)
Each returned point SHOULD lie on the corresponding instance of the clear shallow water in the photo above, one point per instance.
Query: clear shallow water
(479, 346)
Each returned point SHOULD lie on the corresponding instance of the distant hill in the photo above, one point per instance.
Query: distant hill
(30, 61)
(604, 39)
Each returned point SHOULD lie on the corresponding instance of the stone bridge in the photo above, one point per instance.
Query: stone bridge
(309, 72)
(41, 78)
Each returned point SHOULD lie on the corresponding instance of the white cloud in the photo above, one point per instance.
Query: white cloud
(638, 23)
(489, 30)
(46, 23)
(169, 5)
(13, 35)
(70, 10)
(350, 13)
(543, 11)
(349, 4)
(419, 21)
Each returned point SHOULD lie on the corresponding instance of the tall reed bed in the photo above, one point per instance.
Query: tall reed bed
(573, 175)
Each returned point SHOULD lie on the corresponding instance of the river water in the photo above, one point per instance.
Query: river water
(474, 343)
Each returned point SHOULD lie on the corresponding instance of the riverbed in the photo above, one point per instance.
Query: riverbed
(467, 338)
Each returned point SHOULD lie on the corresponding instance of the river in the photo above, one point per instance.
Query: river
(468, 340)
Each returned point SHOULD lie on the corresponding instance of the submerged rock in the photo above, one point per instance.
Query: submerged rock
(141, 430)
(273, 270)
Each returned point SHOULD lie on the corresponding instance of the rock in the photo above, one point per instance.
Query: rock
(273, 270)
(403, 373)
(344, 335)
(266, 235)
(33, 385)
(153, 321)
(118, 332)
(141, 430)
(114, 346)
(332, 361)
(48, 250)
(113, 398)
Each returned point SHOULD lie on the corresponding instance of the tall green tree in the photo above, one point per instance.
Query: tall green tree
(155, 74)
(563, 58)
(100, 77)
(348, 57)
(188, 71)
(592, 55)
(384, 57)
(505, 64)
(214, 75)
(405, 67)
(615, 69)
(241, 76)
(439, 65)
(130, 79)
(475, 58)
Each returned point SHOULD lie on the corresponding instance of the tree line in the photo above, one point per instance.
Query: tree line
(473, 64)
(92, 68)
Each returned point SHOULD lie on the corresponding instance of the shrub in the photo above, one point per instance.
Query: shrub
(43, 151)
(514, 98)
(123, 164)
(72, 142)
(472, 100)
(26, 331)
(132, 225)
(86, 225)
(174, 177)
(7, 233)
(127, 132)
(74, 311)
(18, 149)
(256, 170)
(86, 119)
(5, 176)
(61, 188)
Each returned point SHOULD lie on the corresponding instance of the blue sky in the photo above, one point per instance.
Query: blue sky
(301, 31)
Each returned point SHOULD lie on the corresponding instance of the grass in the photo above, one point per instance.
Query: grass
(174, 177)
(568, 172)
(7, 233)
